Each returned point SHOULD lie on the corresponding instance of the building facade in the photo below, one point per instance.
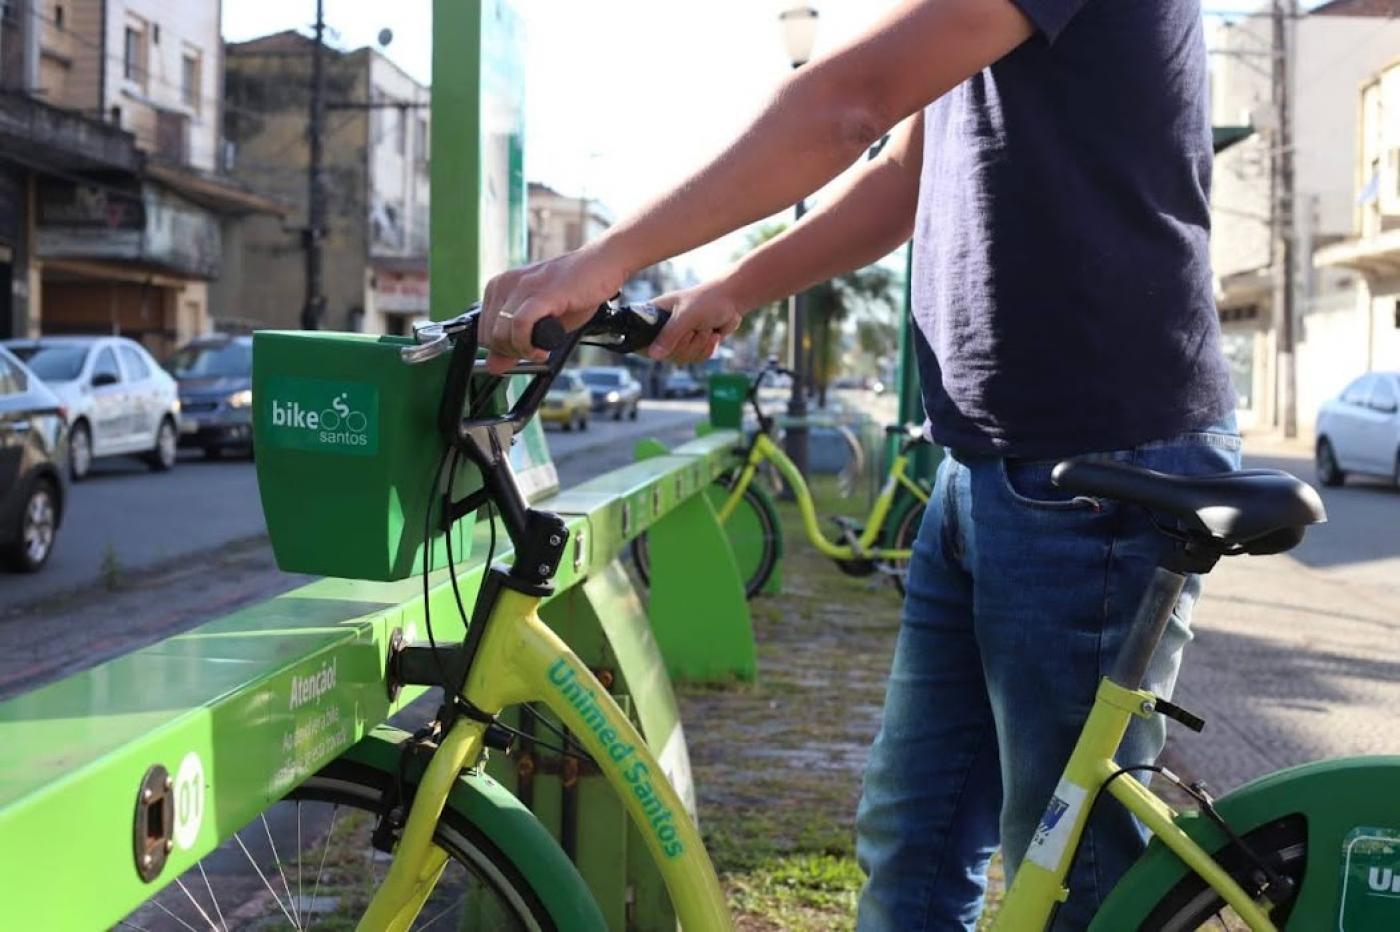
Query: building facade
(376, 143)
(123, 233)
(1372, 252)
(1336, 48)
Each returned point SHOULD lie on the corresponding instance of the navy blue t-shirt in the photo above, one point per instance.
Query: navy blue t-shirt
(1062, 286)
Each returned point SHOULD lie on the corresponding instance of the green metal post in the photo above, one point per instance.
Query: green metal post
(911, 399)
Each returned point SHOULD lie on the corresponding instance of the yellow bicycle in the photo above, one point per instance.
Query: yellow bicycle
(882, 543)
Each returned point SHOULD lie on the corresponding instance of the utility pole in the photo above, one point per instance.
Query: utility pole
(314, 308)
(1282, 214)
(796, 435)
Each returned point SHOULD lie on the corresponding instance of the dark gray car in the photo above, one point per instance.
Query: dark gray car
(215, 375)
(33, 468)
(614, 390)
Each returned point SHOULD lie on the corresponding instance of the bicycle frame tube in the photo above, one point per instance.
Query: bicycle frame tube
(521, 660)
(765, 449)
(1040, 881)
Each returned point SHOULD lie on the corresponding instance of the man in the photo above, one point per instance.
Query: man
(1051, 159)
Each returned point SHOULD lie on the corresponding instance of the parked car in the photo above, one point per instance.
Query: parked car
(681, 384)
(215, 379)
(568, 402)
(614, 390)
(119, 401)
(33, 470)
(1359, 431)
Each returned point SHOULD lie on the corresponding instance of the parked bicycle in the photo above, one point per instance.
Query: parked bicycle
(882, 543)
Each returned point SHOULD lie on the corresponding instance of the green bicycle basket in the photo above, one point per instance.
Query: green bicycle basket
(347, 447)
(727, 393)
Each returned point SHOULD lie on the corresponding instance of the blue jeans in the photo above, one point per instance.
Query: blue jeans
(1019, 597)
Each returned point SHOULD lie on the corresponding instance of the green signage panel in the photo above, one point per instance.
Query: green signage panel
(1370, 880)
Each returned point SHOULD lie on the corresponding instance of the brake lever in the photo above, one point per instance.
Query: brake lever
(435, 339)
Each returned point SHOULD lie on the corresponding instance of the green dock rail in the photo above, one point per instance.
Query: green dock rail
(241, 709)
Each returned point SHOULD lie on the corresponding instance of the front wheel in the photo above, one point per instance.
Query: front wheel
(80, 451)
(1193, 904)
(752, 531)
(38, 526)
(905, 533)
(1328, 472)
(310, 860)
(162, 457)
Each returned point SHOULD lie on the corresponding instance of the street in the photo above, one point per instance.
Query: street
(1295, 656)
(124, 518)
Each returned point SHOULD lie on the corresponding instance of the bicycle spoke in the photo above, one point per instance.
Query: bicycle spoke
(263, 878)
(450, 907)
(128, 923)
(300, 901)
(325, 849)
(277, 859)
(165, 909)
(212, 898)
(180, 882)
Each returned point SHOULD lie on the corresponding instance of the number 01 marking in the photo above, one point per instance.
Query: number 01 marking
(189, 800)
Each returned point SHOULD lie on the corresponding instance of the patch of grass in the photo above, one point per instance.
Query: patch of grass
(111, 570)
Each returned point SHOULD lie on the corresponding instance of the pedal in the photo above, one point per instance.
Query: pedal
(1181, 716)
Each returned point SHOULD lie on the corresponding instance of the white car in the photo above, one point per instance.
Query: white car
(120, 402)
(1359, 431)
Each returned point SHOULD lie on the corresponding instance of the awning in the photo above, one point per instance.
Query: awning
(1227, 136)
(215, 193)
(1377, 256)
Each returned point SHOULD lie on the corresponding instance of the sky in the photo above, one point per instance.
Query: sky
(623, 97)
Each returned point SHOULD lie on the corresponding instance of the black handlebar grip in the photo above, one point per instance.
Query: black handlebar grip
(548, 334)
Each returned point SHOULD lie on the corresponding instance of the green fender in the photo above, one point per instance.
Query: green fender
(511, 827)
(1337, 797)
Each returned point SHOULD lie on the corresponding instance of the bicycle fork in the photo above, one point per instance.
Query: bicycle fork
(519, 659)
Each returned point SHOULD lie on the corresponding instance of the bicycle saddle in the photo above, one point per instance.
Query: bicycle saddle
(1257, 511)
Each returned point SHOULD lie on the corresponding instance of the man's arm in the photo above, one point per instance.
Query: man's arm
(866, 220)
(820, 121)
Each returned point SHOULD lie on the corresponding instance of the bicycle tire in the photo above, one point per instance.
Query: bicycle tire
(1191, 903)
(905, 533)
(753, 518)
(353, 786)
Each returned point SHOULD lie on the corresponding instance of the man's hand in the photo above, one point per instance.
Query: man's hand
(700, 318)
(570, 288)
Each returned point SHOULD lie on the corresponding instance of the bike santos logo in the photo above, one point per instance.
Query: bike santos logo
(310, 414)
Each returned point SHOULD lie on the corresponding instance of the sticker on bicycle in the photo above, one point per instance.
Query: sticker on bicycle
(1370, 880)
(659, 817)
(1052, 836)
(321, 416)
(189, 800)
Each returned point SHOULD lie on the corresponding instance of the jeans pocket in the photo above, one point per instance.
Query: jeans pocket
(1028, 483)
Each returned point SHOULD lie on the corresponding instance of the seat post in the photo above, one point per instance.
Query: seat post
(1149, 624)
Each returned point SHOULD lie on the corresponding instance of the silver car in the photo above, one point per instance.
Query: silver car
(120, 401)
(1359, 431)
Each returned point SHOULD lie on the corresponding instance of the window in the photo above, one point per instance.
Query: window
(134, 55)
(421, 143)
(58, 16)
(1357, 392)
(1383, 395)
(189, 80)
(1397, 314)
(134, 364)
(12, 378)
(106, 365)
(155, 33)
(401, 141)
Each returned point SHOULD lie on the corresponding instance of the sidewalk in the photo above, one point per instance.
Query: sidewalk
(1296, 656)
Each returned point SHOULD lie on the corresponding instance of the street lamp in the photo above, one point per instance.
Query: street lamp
(799, 33)
(799, 23)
